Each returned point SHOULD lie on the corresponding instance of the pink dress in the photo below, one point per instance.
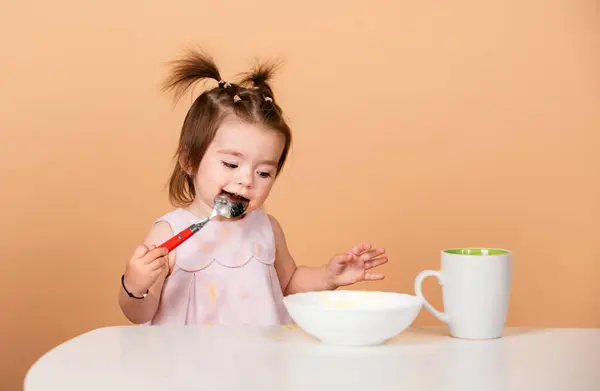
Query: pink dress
(224, 274)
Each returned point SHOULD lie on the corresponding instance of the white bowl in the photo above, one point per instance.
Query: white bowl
(353, 318)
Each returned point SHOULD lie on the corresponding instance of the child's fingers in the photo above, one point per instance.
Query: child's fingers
(158, 263)
(140, 251)
(374, 276)
(359, 249)
(375, 262)
(368, 255)
(154, 253)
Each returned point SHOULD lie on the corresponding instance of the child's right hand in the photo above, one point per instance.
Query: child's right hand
(145, 267)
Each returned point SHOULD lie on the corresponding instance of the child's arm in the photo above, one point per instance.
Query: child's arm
(342, 269)
(294, 279)
(146, 270)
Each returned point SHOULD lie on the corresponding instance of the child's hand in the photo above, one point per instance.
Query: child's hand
(145, 267)
(351, 267)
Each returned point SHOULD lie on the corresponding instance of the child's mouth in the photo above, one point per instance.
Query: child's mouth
(234, 197)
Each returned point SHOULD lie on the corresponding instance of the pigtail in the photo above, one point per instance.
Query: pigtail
(192, 68)
(259, 78)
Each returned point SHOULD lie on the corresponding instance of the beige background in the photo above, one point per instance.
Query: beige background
(418, 125)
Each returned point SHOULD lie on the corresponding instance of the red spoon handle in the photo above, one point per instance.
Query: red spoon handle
(176, 240)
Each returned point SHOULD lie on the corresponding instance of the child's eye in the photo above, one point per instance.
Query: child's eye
(264, 174)
(229, 165)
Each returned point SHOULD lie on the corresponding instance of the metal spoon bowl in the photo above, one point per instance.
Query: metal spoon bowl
(223, 207)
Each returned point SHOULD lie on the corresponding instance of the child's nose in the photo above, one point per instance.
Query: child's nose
(245, 180)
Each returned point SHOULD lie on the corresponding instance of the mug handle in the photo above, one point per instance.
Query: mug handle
(418, 291)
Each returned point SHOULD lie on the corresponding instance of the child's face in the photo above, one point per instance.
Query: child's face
(241, 160)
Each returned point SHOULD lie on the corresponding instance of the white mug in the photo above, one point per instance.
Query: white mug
(475, 291)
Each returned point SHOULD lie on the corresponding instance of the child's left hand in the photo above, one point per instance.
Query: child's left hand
(351, 267)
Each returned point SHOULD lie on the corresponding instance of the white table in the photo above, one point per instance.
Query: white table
(286, 359)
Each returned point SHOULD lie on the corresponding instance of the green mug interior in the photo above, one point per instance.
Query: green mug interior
(477, 251)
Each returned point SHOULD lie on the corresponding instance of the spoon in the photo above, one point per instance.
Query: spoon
(223, 206)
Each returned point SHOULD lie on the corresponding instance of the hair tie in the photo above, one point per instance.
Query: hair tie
(268, 99)
(224, 84)
(236, 98)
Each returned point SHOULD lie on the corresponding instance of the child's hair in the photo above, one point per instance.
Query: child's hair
(251, 100)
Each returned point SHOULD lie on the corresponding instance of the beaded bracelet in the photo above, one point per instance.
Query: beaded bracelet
(131, 294)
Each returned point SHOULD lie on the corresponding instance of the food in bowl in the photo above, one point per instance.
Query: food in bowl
(353, 318)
